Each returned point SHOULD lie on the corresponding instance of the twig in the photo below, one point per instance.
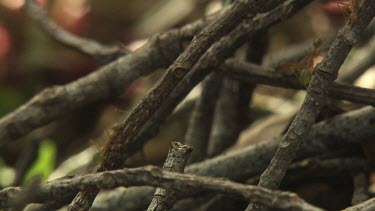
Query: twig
(86, 46)
(106, 82)
(325, 136)
(302, 170)
(200, 123)
(123, 139)
(368, 205)
(231, 112)
(364, 59)
(154, 176)
(360, 188)
(253, 73)
(324, 74)
(178, 155)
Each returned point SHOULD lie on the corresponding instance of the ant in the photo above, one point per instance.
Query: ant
(303, 68)
(103, 147)
(349, 9)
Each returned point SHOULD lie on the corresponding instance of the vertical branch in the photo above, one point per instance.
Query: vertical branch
(324, 73)
(231, 114)
(178, 155)
(360, 186)
(200, 123)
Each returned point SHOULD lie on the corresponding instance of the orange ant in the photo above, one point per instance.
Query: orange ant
(103, 147)
(303, 68)
(349, 9)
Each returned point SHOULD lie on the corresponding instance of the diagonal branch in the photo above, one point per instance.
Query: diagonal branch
(365, 58)
(86, 46)
(211, 60)
(324, 73)
(154, 176)
(364, 206)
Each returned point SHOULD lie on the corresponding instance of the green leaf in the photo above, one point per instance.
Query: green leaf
(44, 164)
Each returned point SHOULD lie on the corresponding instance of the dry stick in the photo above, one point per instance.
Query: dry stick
(252, 73)
(324, 74)
(368, 205)
(200, 122)
(108, 81)
(301, 170)
(113, 156)
(360, 188)
(178, 155)
(211, 60)
(328, 135)
(86, 46)
(154, 176)
(364, 59)
(231, 112)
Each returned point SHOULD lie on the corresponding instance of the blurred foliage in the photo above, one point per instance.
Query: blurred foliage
(10, 99)
(6, 174)
(44, 164)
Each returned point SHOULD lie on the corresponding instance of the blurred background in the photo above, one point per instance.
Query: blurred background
(30, 61)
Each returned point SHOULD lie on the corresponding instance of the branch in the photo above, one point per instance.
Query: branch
(124, 136)
(86, 46)
(324, 73)
(364, 206)
(154, 176)
(252, 73)
(360, 188)
(106, 82)
(198, 132)
(231, 112)
(325, 136)
(364, 59)
(178, 155)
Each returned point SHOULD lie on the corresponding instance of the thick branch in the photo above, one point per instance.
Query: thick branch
(253, 73)
(178, 155)
(84, 45)
(154, 176)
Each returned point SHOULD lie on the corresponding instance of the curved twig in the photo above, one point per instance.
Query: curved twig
(86, 46)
